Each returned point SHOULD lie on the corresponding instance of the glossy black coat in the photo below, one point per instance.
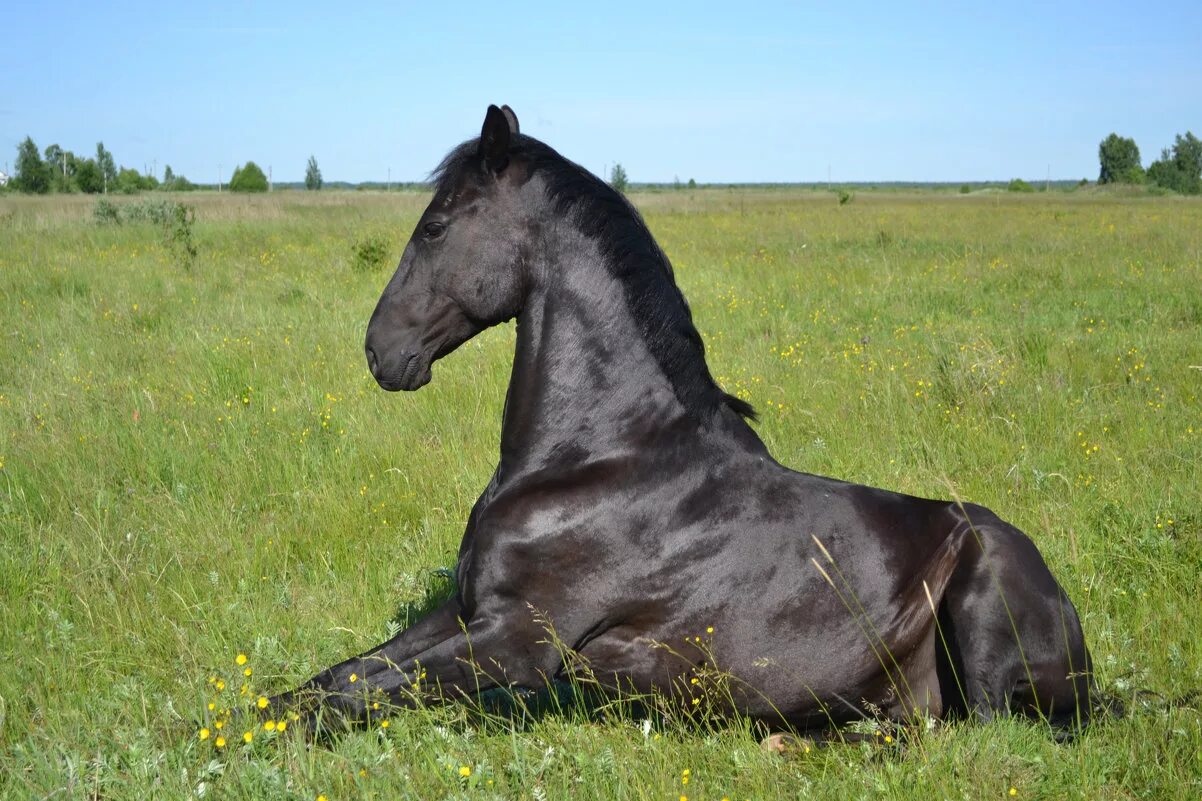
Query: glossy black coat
(634, 508)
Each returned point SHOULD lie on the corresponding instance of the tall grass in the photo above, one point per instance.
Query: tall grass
(194, 463)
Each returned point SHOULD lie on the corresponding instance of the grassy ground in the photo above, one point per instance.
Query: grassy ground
(195, 464)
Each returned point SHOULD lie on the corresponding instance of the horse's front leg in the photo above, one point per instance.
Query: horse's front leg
(336, 686)
(490, 651)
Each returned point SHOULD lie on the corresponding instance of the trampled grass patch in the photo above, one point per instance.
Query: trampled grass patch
(195, 464)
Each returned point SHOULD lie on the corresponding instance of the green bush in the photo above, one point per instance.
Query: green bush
(965, 189)
(105, 212)
(248, 178)
(1019, 185)
(174, 220)
(371, 252)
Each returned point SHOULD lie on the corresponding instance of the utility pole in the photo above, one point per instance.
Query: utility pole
(270, 184)
(218, 177)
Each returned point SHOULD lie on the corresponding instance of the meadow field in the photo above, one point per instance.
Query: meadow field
(196, 467)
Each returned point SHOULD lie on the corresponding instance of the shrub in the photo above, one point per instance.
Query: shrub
(105, 212)
(1019, 185)
(965, 189)
(371, 252)
(174, 220)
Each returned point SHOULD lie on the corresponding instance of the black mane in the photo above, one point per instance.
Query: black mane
(631, 255)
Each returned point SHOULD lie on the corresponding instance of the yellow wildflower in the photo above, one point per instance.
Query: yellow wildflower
(247, 736)
(262, 702)
(269, 725)
(354, 677)
(465, 771)
(283, 724)
(204, 734)
(219, 742)
(240, 659)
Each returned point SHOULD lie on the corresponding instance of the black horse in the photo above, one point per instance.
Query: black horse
(636, 513)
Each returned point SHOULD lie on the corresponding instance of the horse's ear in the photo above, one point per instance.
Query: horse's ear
(494, 140)
(514, 129)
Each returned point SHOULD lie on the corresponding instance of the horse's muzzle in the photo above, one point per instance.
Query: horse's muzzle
(405, 370)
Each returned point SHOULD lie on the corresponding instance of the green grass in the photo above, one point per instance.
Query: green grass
(195, 463)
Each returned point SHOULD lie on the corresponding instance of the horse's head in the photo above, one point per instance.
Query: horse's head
(462, 270)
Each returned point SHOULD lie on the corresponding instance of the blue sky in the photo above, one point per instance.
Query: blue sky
(718, 92)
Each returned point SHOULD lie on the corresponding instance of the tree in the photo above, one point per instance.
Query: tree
(54, 156)
(248, 178)
(88, 176)
(1181, 168)
(312, 175)
(108, 168)
(33, 176)
(168, 177)
(617, 178)
(129, 180)
(61, 165)
(1120, 161)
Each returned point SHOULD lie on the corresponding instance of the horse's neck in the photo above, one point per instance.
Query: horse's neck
(585, 386)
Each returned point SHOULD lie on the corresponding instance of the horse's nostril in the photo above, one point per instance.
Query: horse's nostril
(372, 362)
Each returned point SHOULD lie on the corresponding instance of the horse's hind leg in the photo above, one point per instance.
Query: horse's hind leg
(1010, 639)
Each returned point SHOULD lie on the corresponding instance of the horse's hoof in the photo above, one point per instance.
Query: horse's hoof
(786, 744)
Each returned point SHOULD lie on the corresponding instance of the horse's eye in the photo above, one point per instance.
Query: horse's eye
(433, 230)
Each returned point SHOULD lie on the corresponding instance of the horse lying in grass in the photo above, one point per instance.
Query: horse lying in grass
(635, 511)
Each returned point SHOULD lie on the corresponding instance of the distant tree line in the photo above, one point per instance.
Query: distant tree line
(59, 170)
(1179, 168)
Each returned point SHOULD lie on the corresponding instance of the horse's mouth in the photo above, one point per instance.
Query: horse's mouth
(415, 374)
